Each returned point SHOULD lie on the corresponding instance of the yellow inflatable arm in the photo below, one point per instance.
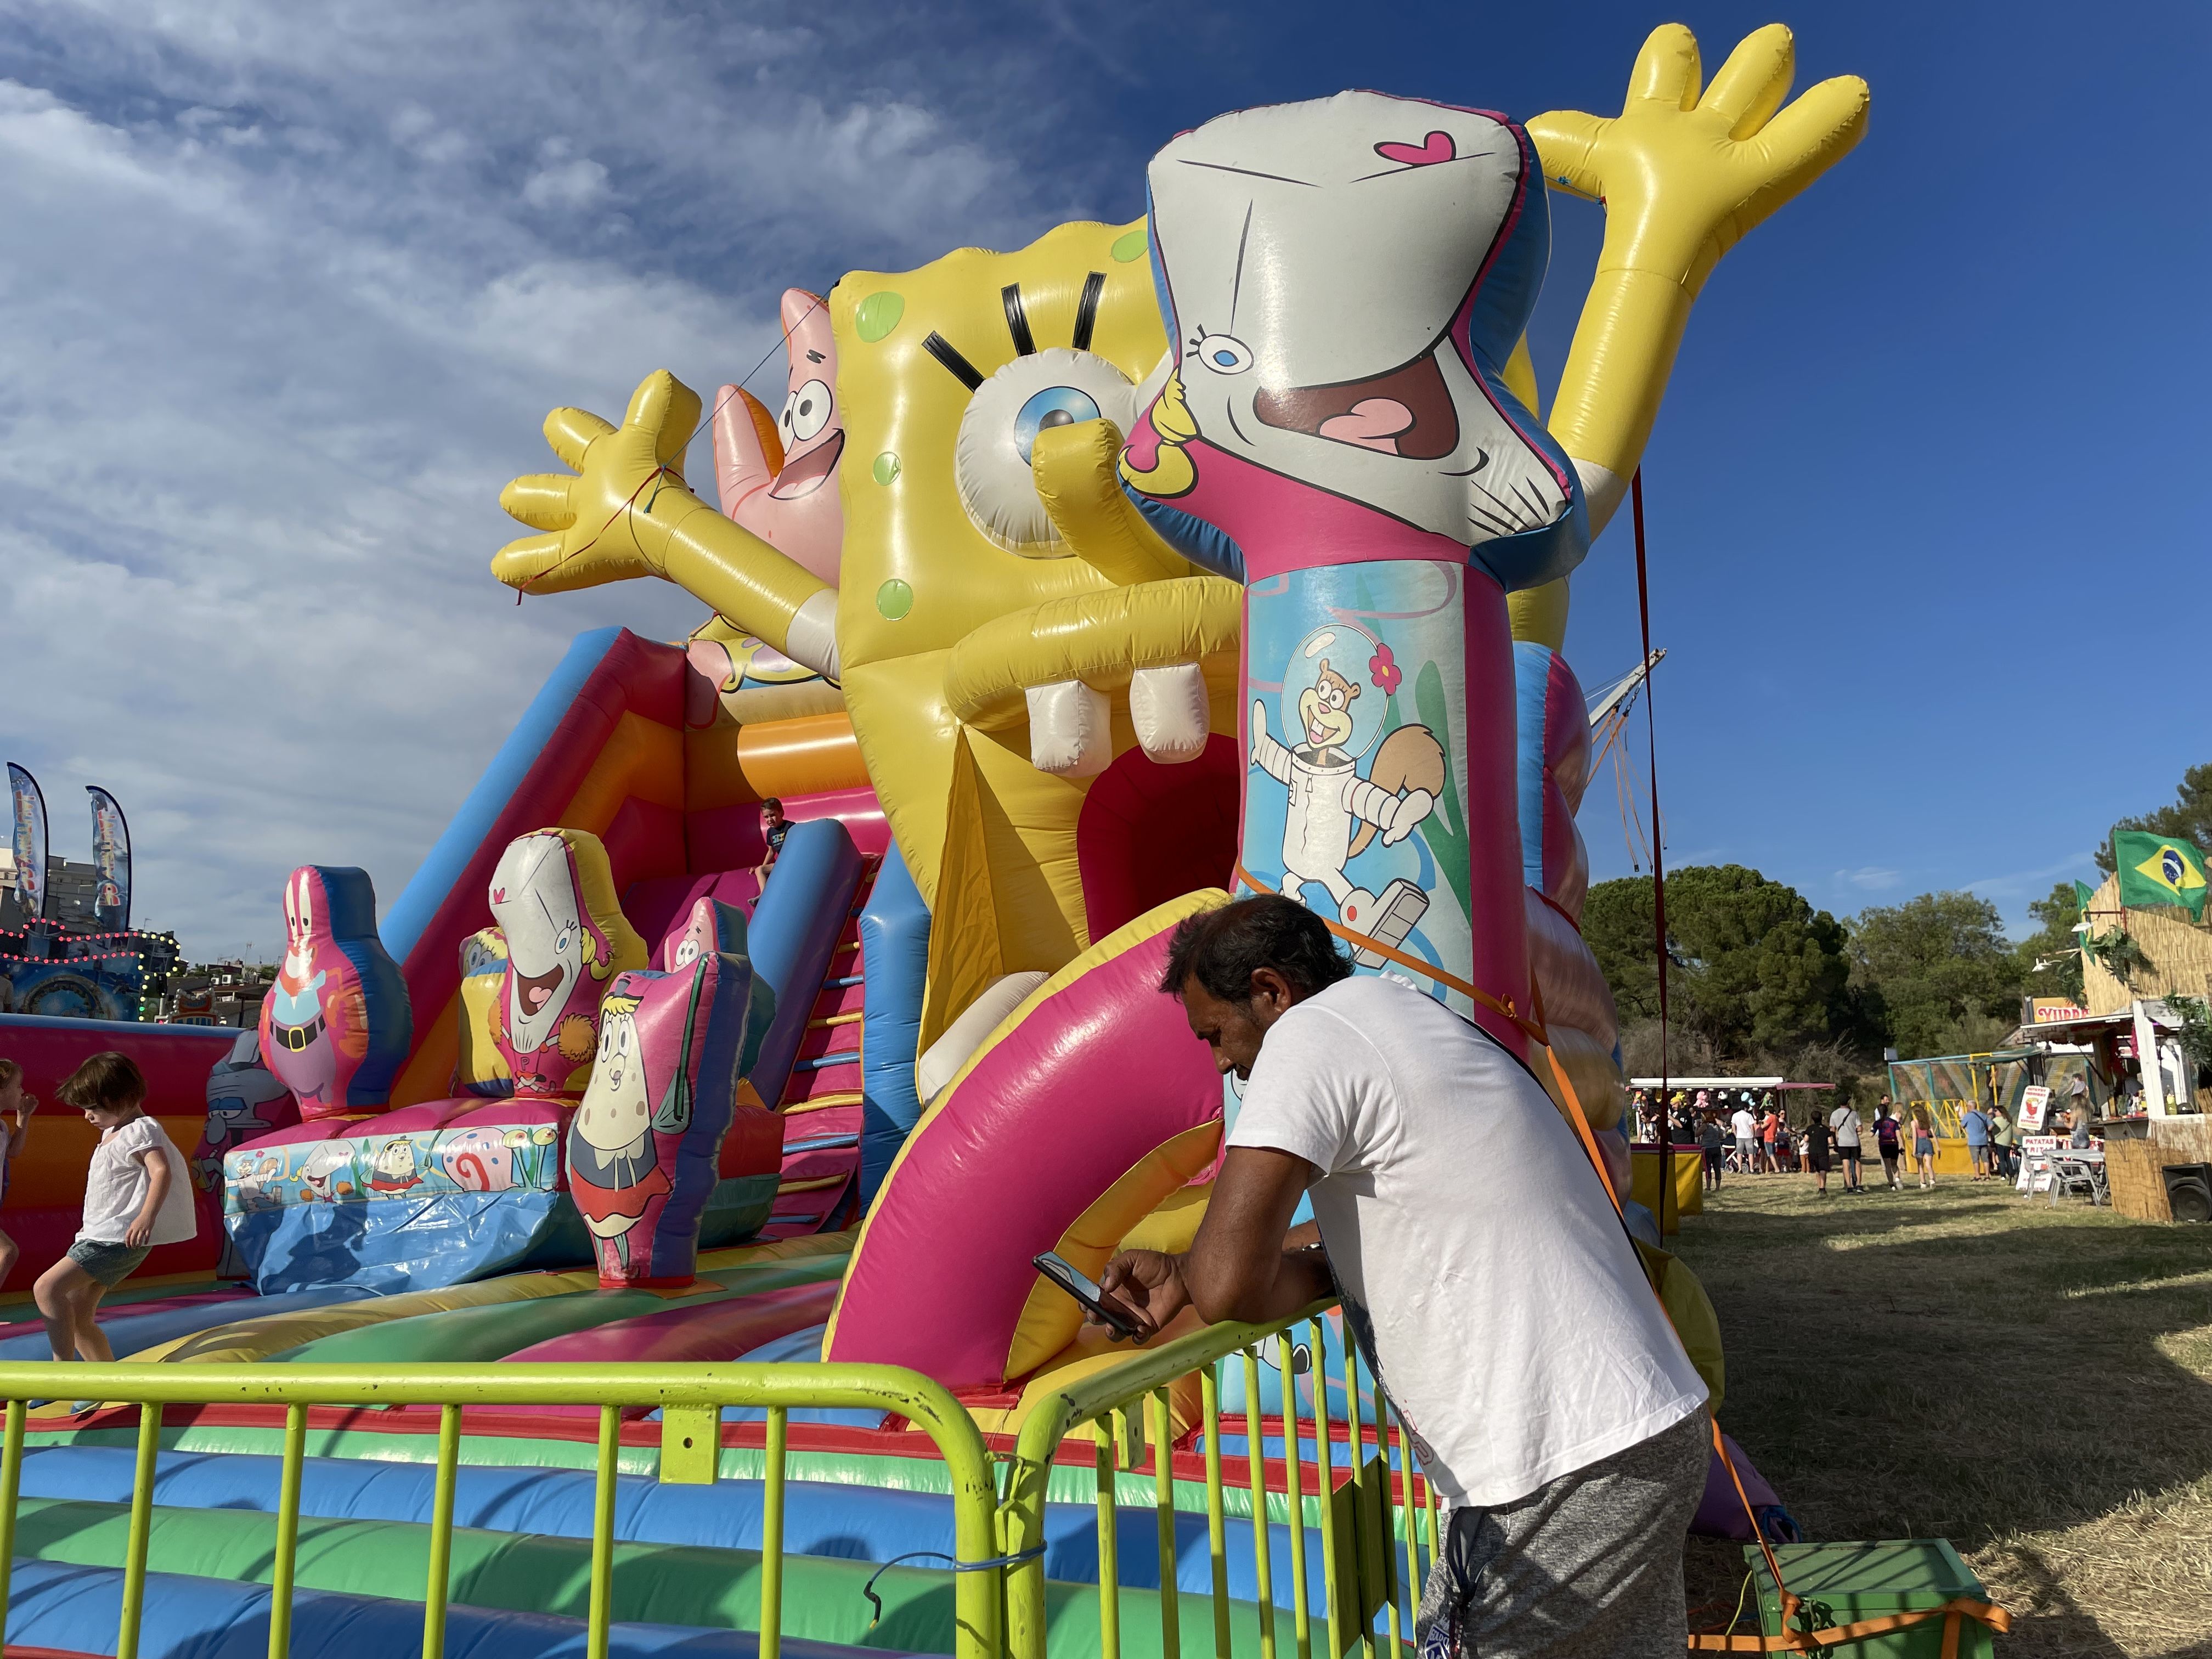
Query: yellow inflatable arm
(1684, 175)
(1158, 614)
(1103, 640)
(627, 512)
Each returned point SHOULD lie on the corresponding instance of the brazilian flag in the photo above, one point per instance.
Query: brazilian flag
(2159, 870)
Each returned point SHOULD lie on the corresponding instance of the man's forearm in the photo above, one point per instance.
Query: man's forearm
(1262, 1294)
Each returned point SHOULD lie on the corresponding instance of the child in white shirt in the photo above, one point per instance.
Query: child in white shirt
(137, 1195)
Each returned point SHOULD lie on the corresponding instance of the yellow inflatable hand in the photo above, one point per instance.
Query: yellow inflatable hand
(1683, 178)
(626, 512)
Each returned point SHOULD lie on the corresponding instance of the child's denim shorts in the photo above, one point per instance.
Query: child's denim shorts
(107, 1261)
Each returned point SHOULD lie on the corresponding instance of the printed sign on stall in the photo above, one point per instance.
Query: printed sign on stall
(2034, 1107)
(2038, 1152)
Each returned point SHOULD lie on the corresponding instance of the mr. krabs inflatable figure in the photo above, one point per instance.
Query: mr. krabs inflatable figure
(336, 1026)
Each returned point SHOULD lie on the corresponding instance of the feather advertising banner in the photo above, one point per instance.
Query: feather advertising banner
(111, 863)
(30, 841)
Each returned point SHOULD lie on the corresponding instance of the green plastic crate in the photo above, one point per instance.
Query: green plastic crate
(1843, 1583)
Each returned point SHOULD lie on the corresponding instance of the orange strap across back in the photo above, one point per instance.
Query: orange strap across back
(1359, 940)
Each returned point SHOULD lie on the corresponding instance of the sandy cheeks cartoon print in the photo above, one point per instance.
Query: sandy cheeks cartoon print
(1364, 811)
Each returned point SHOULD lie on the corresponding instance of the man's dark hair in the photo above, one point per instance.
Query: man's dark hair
(1221, 949)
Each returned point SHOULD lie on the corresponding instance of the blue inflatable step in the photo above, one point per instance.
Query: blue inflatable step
(861, 1523)
(128, 1332)
(80, 1609)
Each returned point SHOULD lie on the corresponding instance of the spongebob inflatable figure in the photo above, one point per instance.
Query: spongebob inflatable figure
(1002, 622)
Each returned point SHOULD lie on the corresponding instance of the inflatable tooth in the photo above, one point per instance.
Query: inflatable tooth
(1346, 280)
(336, 1025)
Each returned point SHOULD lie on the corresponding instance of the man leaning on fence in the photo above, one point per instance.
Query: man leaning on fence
(1490, 1286)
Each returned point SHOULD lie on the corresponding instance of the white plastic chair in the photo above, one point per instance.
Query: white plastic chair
(2079, 1178)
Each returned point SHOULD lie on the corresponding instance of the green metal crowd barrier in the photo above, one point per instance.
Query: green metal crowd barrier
(690, 1399)
(1370, 1522)
(1377, 1525)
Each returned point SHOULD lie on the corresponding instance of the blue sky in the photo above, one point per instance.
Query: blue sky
(286, 290)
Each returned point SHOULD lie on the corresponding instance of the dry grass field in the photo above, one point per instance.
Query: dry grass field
(2033, 1384)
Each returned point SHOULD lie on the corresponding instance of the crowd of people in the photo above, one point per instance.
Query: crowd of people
(1744, 1132)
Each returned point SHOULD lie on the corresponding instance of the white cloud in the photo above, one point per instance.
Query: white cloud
(574, 184)
(1872, 877)
(2034, 884)
(285, 293)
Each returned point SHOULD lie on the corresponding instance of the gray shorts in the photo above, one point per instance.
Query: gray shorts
(1589, 1566)
(108, 1262)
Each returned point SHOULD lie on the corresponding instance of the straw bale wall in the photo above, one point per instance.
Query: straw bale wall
(2132, 1163)
(2178, 952)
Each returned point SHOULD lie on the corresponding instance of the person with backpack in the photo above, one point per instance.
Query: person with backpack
(1843, 1124)
(1889, 1141)
(1819, 1142)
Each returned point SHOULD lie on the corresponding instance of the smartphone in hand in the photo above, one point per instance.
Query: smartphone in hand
(1064, 1275)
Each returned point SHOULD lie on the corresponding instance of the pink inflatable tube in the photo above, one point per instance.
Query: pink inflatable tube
(1071, 1098)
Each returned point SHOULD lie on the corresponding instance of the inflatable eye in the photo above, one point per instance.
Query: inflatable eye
(1224, 354)
(1056, 405)
(1057, 386)
(806, 411)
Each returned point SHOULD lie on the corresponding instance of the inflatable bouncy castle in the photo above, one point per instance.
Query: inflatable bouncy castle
(781, 991)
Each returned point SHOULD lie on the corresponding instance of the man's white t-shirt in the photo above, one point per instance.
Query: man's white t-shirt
(1481, 1262)
(1745, 1125)
(115, 1187)
(1844, 1121)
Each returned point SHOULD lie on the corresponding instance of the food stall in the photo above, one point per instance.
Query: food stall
(2143, 1089)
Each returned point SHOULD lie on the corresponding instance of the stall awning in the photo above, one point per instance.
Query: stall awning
(1722, 1082)
(2084, 1026)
